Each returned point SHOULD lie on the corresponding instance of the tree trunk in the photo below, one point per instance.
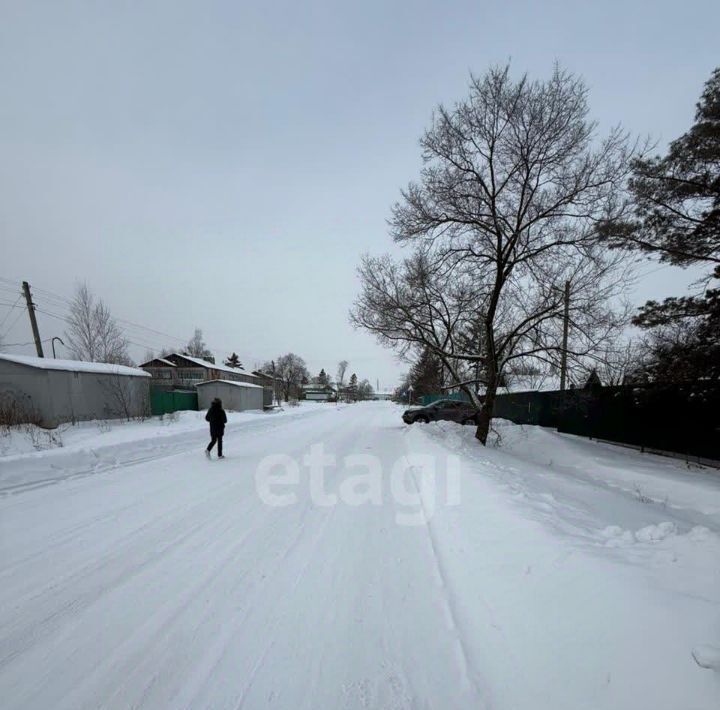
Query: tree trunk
(486, 415)
(486, 411)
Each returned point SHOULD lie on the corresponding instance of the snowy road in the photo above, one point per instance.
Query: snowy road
(169, 583)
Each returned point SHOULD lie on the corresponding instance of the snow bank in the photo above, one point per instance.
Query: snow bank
(528, 454)
(96, 446)
(596, 595)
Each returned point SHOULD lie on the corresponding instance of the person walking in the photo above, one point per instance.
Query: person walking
(217, 418)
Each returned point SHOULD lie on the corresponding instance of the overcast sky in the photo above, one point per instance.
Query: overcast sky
(225, 164)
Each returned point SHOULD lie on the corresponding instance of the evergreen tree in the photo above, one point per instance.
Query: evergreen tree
(234, 361)
(677, 209)
(322, 378)
(426, 374)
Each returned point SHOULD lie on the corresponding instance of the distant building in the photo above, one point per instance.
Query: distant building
(383, 395)
(319, 393)
(48, 392)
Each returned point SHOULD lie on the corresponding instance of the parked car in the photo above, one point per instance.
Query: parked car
(446, 409)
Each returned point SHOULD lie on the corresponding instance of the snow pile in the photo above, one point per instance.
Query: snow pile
(651, 479)
(30, 456)
(595, 579)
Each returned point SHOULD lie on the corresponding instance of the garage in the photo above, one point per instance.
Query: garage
(235, 396)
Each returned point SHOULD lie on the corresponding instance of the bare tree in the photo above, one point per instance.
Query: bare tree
(288, 371)
(505, 212)
(93, 333)
(196, 347)
(341, 371)
(126, 399)
(365, 390)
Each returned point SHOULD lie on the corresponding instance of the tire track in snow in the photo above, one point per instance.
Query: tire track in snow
(467, 664)
(128, 658)
(124, 563)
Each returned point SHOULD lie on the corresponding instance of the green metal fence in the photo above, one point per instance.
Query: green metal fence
(684, 419)
(167, 401)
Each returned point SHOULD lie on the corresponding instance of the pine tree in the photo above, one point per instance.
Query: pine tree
(322, 378)
(426, 374)
(677, 205)
(234, 361)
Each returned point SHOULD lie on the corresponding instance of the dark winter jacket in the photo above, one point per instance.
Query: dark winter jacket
(217, 418)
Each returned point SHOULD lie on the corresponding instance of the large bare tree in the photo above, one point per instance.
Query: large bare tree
(290, 369)
(341, 371)
(196, 347)
(93, 334)
(514, 184)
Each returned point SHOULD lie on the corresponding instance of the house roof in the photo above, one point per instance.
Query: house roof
(208, 365)
(101, 368)
(158, 359)
(267, 375)
(317, 386)
(234, 383)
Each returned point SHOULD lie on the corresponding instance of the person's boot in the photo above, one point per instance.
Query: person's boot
(207, 453)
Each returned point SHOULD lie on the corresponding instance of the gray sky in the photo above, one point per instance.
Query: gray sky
(225, 164)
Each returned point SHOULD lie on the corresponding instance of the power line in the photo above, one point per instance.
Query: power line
(18, 345)
(17, 318)
(12, 308)
(58, 300)
(137, 343)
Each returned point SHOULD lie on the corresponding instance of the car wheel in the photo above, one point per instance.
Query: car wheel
(468, 421)
(423, 419)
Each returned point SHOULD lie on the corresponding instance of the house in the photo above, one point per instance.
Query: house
(48, 392)
(319, 393)
(184, 371)
(236, 396)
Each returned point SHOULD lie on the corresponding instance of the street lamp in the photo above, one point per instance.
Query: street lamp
(53, 345)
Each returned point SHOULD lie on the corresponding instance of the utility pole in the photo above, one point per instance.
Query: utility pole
(33, 321)
(566, 327)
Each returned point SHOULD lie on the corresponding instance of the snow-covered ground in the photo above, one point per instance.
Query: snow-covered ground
(547, 572)
(31, 456)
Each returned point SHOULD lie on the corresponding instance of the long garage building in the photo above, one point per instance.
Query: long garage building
(48, 392)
